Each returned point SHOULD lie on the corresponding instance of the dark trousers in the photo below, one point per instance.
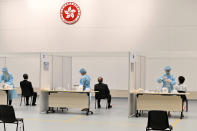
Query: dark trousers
(34, 98)
(108, 97)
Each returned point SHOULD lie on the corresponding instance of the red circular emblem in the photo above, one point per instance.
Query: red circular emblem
(70, 13)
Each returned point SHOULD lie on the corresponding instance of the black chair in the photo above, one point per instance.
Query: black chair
(158, 120)
(7, 115)
(23, 96)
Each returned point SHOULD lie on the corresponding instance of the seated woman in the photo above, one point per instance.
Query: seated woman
(181, 88)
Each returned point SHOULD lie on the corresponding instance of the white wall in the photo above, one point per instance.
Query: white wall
(20, 64)
(112, 66)
(112, 25)
(113, 69)
(185, 66)
(2, 62)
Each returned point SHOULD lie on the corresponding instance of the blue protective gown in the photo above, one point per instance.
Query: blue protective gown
(166, 84)
(9, 80)
(85, 82)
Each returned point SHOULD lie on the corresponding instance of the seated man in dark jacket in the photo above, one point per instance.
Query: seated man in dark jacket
(27, 90)
(103, 93)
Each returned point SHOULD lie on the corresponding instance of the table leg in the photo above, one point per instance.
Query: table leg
(7, 98)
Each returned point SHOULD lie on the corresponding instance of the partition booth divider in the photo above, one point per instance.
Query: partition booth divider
(56, 86)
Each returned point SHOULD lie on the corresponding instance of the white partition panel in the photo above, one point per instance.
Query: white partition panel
(46, 73)
(67, 72)
(57, 72)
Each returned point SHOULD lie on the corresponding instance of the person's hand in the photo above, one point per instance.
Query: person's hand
(164, 78)
(168, 80)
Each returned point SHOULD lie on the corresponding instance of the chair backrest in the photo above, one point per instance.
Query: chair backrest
(25, 90)
(102, 94)
(7, 114)
(158, 120)
(22, 93)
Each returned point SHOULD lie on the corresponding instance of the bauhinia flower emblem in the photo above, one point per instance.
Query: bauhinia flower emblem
(70, 12)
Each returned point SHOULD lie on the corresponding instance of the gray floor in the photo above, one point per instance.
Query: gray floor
(115, 119)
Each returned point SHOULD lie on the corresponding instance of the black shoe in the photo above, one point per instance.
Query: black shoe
(85, 109)
(99, 107)
(33, 104)
(110, 106)
(27, 104)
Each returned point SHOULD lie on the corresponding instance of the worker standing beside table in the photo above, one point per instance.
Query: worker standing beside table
(7, 79)
(85, 83)
(85, 80)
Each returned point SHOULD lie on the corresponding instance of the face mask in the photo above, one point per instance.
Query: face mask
(167, 72)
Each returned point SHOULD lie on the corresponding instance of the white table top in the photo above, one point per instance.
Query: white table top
(158, 93)
(72, 91)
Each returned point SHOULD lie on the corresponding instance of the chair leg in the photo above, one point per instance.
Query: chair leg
(23, 125)
(31, 101)
(107, 104)
(4, 127)
(21, 100)
(95, 103)
(24, 101)
(17, 126)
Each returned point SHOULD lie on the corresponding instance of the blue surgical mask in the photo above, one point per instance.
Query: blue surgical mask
(167, 73)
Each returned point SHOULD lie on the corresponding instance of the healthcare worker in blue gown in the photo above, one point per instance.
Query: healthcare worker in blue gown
(7, 78)
(167, 79)
(85, 82)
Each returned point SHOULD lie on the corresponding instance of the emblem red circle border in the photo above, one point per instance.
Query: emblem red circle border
(78, 15)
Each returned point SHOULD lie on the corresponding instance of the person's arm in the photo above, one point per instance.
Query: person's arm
(21, 84)
(31, 88)
(176, 87)
(95, 88)
(160, 79)
(173, 82)
(10, 82)
(83, 82)
(185, 88)
(108, 91)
